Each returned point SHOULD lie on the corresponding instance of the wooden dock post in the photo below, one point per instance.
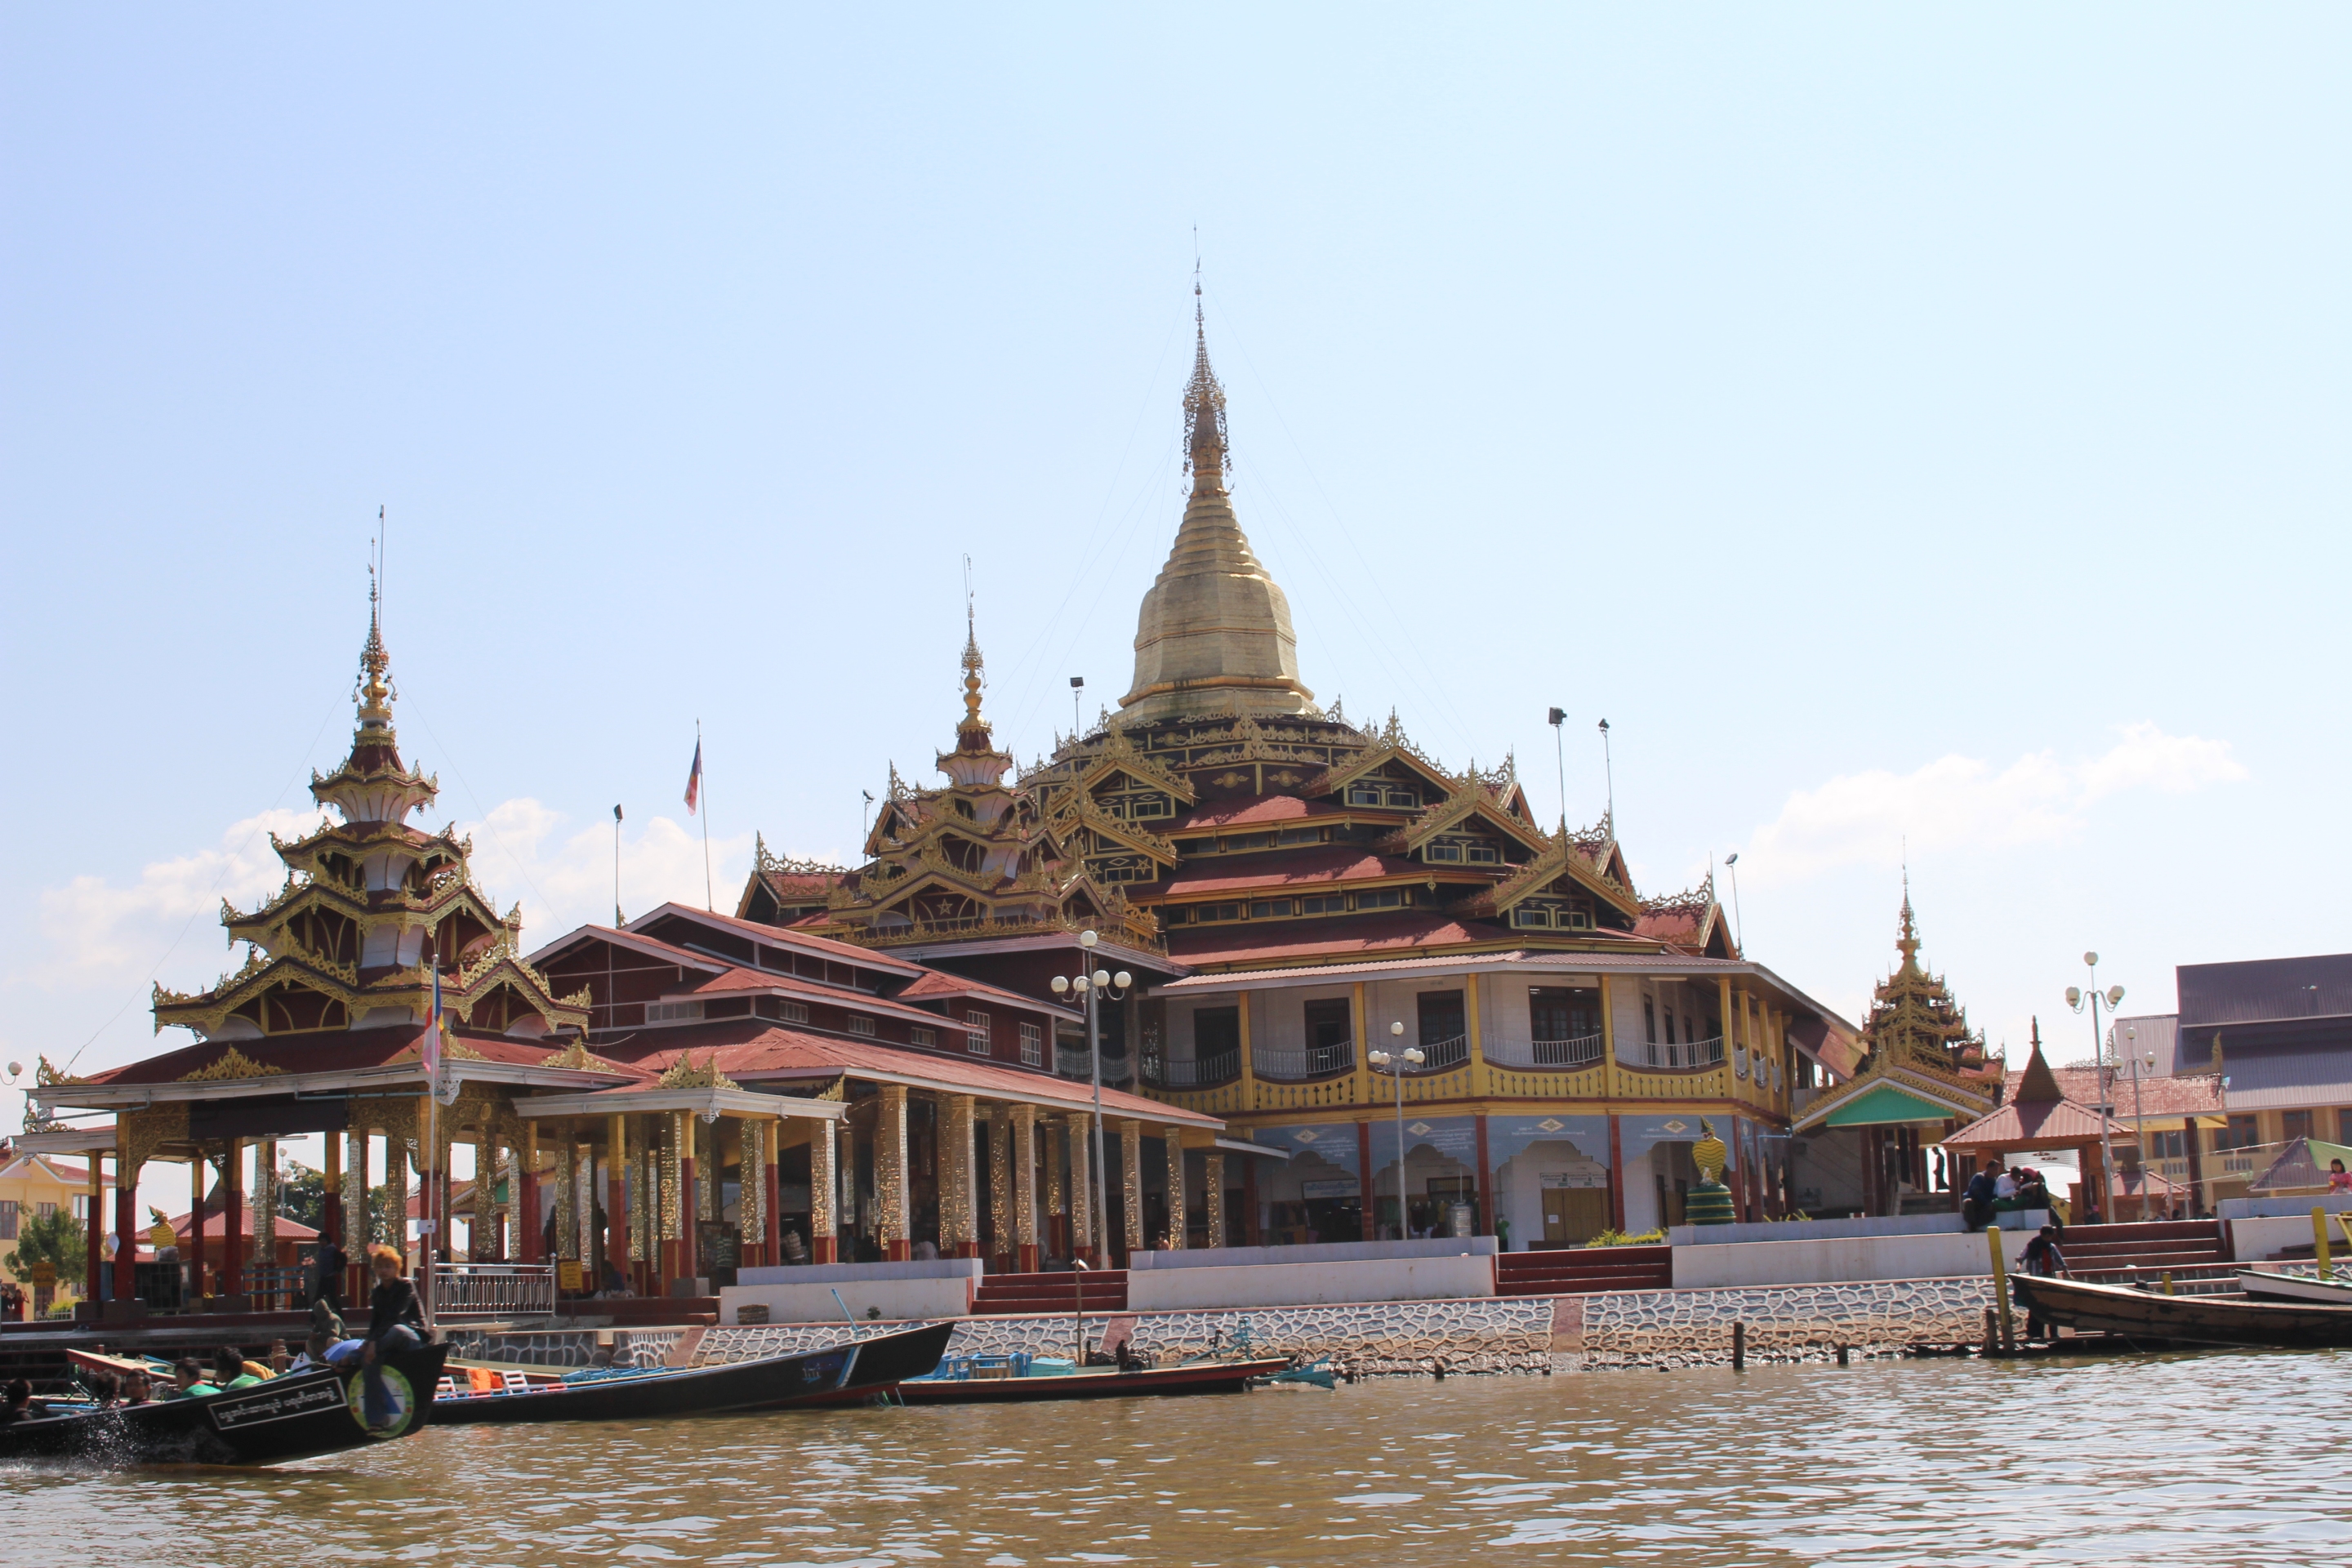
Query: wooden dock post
(1738, 1347)
(2000, 1283)
(1842, 1353)
(2319, 1239)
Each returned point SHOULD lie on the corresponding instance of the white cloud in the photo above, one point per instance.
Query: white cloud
(1956, 800)
(564, 879)
(101, 933)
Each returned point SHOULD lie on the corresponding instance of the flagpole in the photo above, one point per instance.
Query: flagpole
(710, 899)
(431, 1055)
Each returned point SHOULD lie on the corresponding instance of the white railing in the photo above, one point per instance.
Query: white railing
(1315, 1061)
(1584, 1051)
(1688, 1054)
(497, 1289)
(1223, 1068)
(1438, 1055)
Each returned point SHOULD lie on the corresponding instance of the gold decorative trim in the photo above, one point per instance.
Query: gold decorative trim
(232, 1064)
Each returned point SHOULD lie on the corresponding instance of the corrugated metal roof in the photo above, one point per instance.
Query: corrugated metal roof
(2264, 989)
(2160, 1033)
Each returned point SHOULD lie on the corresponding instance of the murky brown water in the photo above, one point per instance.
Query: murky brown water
(2216, 1460)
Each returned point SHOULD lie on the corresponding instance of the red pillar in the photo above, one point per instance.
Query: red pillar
(1251, 1234)
(126, 1232)
(233, 1223)
(533, 1239)
(1364, 1179)
(1617, 1176)
(616, 1204)
(97, 1223)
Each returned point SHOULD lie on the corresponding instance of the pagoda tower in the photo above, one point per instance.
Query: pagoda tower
(977, 856)
(371, 907)
(1214, 635)
(1914, 1021)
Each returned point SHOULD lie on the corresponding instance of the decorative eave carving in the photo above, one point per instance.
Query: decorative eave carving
(684, 1074)
(232, 1064)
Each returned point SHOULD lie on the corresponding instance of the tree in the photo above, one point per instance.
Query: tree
(303, 1194)
(56, 1239)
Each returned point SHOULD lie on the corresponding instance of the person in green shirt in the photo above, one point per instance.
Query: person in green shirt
(188, 1378)
(229, 1370)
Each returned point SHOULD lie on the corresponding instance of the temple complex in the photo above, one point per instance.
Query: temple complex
(1294, 891)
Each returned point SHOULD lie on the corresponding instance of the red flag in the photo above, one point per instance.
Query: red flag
(694, 780)
(429, 1051)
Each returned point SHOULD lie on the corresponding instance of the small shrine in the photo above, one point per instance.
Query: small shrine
(1923, 1073)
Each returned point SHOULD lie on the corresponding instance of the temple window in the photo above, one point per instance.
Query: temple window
(1325, 904)
(1649, 1021)
(975, 1039)
(859, 1024)
(1301, 836)
(1382, 898)
(1033, 1046)
(923, 1037)
(781, 1010)
(673, 1012)
(1272, 909)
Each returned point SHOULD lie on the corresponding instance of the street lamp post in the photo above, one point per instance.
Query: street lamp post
(1738, 926)
(1091, 986)
(2078, 999)
(1409, 1056)
(2139, 1112)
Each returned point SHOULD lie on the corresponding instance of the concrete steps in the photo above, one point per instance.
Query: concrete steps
(2161, 1244)
(1584, 1270)
(1028, 1295)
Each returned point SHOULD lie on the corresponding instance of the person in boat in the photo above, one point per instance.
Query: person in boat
(1976, 1204)
(2042, 1256)
(231, 1370)
(138, 1388)
(395, 1323)
(16, 1403)
(188, 1380)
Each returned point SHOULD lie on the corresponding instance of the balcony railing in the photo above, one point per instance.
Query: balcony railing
(1315, 1061)
(1437, 1056)
(1072, 1062)
(1206, 1073)
(1583, 1051)
(1686, 1054)
(493, 1290)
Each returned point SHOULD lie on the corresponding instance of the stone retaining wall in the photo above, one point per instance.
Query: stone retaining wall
(1524, 1334)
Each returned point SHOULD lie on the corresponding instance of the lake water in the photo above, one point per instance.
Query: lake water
(2210, 1459)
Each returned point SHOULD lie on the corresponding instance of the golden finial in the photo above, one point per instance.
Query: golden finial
(1204, 407)
(375, 693)
(972, 660)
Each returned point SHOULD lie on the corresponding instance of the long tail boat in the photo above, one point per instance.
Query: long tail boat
(2141, 1314)
(988, 1384)
(318, 1411)
(847, 1370)
(2265, 1285)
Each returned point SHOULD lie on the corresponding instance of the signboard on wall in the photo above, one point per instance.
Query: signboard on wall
(1507, 1136)
(1331, 1189)
(1448, 1137)
(1582, 1177)
(567, 1274)
(1333, 1142)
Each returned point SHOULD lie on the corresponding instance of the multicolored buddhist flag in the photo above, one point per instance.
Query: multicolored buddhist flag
(694, 779)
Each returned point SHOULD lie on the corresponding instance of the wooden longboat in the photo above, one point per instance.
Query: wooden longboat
(1094, 1383)
(294, 1416)
(2183, 1320)
(850, 1370)
(2265, 1286)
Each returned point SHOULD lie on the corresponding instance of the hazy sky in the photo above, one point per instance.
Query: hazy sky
(1896, 421)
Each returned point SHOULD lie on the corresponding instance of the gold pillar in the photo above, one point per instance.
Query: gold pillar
(1079, 1200)
(567, 1194)
(584, 1190)
(357, 1232)
(823, 1190)
(1470, 997)
(1249, 1058)
(751, 1208)
(959, 1216)
(706, 1169)
(1172, 1140)
(672, 1200)
(1130, 1182)
(890, 1169)
(847, 1165)
(1215, 1161)
(1025, 1179)
(264, 1202)
(1000, 1179)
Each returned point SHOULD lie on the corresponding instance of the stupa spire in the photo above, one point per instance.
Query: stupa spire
(1213, 634)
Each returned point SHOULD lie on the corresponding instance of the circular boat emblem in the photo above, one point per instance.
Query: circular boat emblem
(396, 1410)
